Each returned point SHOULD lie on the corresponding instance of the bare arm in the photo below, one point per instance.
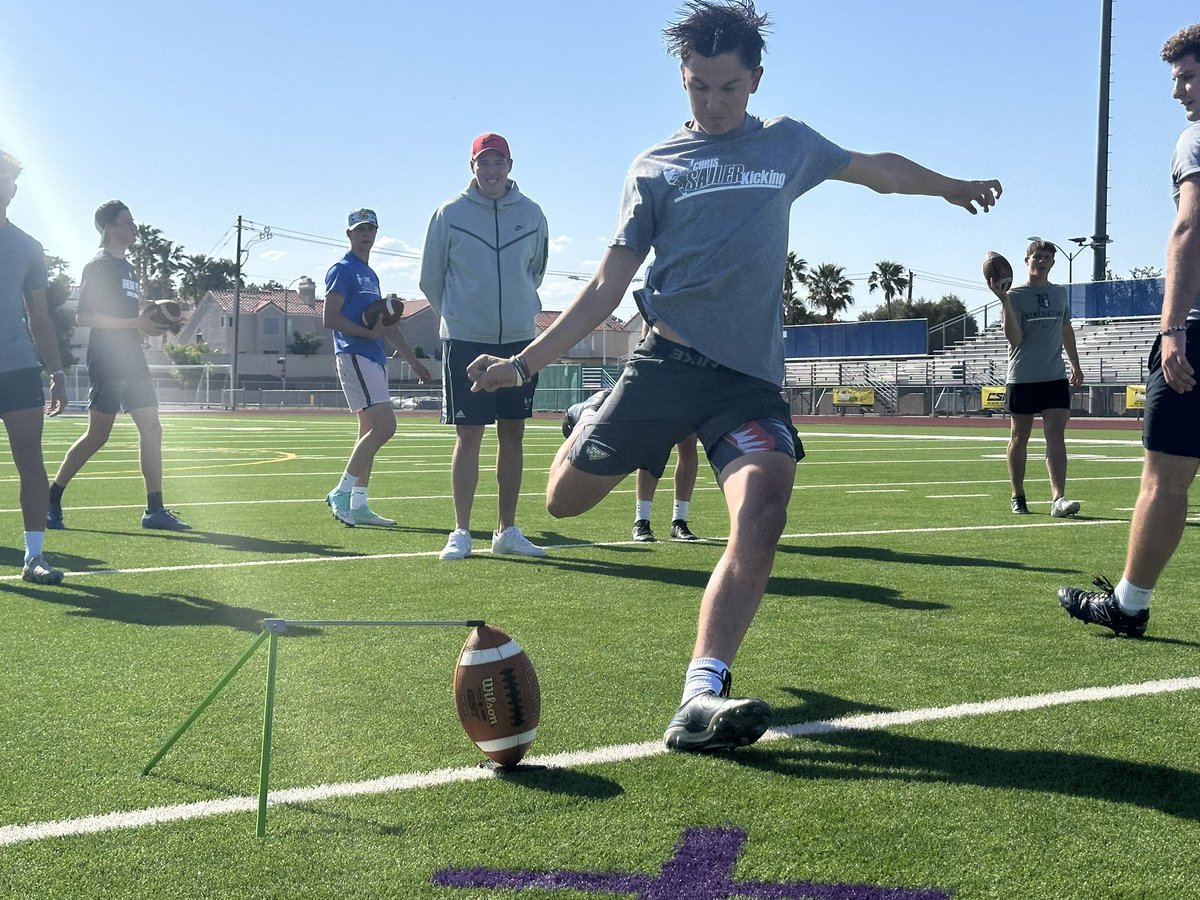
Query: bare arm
(890, 173)
(1182, 286)
(594, 304)
(1009, 317)
(141, 322)
(396, 339)
(45, 339)
(1068, 339)
(332, 318)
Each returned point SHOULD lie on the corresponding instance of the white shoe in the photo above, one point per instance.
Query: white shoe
(1062, 507)
(510, 540)
(458, 545)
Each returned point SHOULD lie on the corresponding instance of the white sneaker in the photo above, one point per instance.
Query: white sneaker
(458, 545)
(1062, 507)
(510, 540)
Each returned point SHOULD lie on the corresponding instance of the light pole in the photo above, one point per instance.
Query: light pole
(1084, 244)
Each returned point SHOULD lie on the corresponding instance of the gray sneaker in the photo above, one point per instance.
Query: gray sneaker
(165, 520)
(710, 722)
(38, 571)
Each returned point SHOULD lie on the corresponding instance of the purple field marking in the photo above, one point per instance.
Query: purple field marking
(700, 869)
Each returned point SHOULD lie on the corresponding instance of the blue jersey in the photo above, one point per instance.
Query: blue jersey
(359, 286)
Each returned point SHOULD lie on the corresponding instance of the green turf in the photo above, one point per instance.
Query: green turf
(887, 595)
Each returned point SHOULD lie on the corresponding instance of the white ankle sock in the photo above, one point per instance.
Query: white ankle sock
(1131, 598)
(704, 676)
(34, 542)
(643, 510)
(347, 483)
(681, 510)
(358, 497)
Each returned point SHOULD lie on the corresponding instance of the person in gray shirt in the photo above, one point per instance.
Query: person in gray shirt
(1169, 433)
(28, 342)
(1037, 324)
(713, 202)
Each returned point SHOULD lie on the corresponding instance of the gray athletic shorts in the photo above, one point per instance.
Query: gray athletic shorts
(669, 391)
(21, 389)
(112, 395)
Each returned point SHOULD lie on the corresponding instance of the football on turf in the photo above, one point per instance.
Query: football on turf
(996, 268)
(497, 696)
(390, 308)
(166, 312)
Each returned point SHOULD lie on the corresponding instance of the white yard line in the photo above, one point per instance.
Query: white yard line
(141, 818)
(309, 560)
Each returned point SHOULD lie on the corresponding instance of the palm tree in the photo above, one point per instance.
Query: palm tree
(795, 274)
(202, 274)
(145, 255)
(888, 277)
(830, 289)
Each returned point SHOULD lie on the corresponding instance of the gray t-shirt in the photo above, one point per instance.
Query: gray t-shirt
(22, 271)
(1043, 312)
(1185, 163)
(715, 209)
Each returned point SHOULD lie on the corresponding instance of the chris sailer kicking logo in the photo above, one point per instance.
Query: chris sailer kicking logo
(704, 176)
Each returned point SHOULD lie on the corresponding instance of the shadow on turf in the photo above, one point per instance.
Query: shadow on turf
(886, 555)
(853, 755)
(242, 542)
(152, 610)
(784, 586)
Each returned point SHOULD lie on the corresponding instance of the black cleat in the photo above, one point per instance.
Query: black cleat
(571, 416)
(642, 532)
(54, 517)
(1019, 506)
(1101, 608)
(710, 722)
(681, 532)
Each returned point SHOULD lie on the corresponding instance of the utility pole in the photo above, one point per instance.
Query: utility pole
(237, 309)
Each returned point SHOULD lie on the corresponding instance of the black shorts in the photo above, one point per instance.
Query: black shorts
(667, 392)
(1172, 422)
(460, 406)
(1032, 397)
(112, 395)
(21, 389)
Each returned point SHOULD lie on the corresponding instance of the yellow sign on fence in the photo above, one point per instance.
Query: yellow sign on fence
(991, 397)
(1135, 396)
(853, 396)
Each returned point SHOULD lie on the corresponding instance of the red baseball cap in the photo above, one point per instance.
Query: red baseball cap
(489, 141)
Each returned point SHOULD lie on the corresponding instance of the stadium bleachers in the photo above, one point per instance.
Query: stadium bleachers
(1111, 351)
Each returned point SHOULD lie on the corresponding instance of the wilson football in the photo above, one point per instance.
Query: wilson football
(166, 312)
(390, 308)
(996, 268)
(496, 694)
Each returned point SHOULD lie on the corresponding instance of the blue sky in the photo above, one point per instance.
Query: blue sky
(292, 114)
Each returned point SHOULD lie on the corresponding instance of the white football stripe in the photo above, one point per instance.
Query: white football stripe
(489, 655)
(140, 818)
(525, 737)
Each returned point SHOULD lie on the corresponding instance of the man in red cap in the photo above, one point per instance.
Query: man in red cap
(484, 258)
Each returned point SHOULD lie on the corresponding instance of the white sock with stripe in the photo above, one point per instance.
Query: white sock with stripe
(704, 676)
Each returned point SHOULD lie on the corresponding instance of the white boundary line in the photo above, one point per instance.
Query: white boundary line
(157, 815)
(309, 560)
